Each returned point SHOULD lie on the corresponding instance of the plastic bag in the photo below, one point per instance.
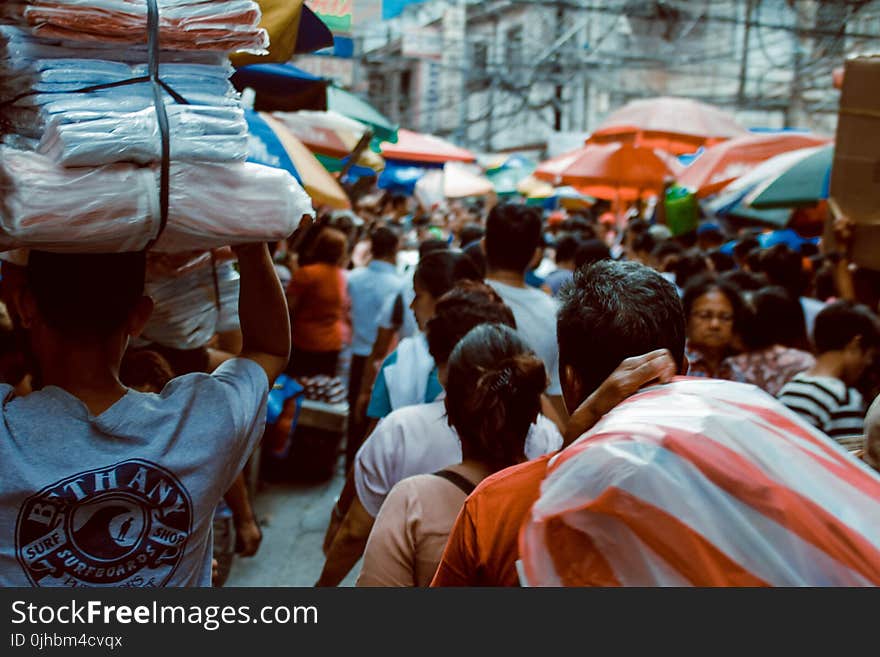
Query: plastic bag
(116, 207)
(187, 311)
(705, 483)
(223, 25)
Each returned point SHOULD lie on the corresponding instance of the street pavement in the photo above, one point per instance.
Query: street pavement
(293, 518)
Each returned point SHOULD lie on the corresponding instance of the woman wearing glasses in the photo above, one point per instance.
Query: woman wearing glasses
(714, 309)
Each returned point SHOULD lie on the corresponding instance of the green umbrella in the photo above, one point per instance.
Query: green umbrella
(804, 182)
(353, 107)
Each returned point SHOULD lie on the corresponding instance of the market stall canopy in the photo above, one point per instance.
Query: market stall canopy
(805, 181)
(270, 143)
(454, 180)
(612, 171)
(723, 163)
(507, 173)
(417, 147)
(354, 107)
(676, 125)
(332, 143)
(293, 29)
(282, 87)
(401, 177)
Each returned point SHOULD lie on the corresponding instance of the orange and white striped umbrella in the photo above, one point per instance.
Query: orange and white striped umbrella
(704, 483)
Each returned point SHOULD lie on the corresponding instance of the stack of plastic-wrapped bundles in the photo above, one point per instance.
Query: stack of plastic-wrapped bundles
(81, 146)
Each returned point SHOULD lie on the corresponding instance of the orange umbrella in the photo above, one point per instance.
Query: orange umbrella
(676, 125)
(725, 162)
(612, 171)
(416, 147)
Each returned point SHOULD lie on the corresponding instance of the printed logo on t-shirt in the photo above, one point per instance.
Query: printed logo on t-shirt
(123, 525)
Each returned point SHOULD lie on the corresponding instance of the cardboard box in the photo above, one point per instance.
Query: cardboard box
(855, 177)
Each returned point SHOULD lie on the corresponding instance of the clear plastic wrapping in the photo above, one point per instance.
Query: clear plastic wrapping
(223, 25)
(704, 483)
(116, 207)
(187, 311)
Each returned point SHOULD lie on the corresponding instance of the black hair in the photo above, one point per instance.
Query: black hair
(439, 271)
(384, 242)
(667, 248)
(839, 322)
(493, 394)
(637, 227)
(775, 318)
(744, 281)
(721, 261)
(644, 242)
(86, 295)
(783, 267)
(513, 233)
(432, 246)
(566, 248)
(709, 282)
(591, 251)
(612, 311)
(688, 267)
(465, 306)
(744, 247)
(475, 252)
(470, 233)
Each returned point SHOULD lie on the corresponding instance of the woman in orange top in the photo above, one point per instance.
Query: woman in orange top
(318, 301)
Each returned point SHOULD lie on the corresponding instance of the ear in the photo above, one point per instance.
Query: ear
(855, 345)
(572, 388)
(139, 316)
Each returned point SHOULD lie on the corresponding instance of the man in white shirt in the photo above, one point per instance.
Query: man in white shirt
(513, 236)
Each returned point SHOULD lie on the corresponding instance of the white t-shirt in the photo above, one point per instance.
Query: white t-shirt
(535, 314)
(418, 440)
(126, 498)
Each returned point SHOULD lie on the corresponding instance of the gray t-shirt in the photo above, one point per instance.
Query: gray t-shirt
(535, 314)
(125, 498)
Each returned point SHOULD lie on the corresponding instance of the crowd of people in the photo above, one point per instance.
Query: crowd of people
(475, 344)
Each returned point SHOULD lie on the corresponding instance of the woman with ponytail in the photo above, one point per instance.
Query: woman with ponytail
(493, 388)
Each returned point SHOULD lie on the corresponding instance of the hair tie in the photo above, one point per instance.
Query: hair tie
(502, 379)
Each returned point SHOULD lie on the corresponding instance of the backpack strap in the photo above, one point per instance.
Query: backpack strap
(466, 486)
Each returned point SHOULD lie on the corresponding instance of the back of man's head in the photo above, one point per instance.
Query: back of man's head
(86, 296)
(839, 322)
(612, 311)
(384, 243)
(513, 233)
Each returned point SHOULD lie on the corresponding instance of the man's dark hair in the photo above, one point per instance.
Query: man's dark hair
(384, 243)
(667, 248)
(470, 233)
(465, 306)
(644, 242)
(776, 317)
(744, 247)
(839, 322)
(475, 252)
(431, 246)
(86, 295)
(615, 310)
(783, 267)
(744, 281)
(721, 261)
(566, 248)
(439, 271)
(513, 233)
(688, 267)
(591, 251)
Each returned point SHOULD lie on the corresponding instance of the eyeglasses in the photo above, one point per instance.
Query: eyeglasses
(707, 316)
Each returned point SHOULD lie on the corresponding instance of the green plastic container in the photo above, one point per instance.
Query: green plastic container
(682, 213)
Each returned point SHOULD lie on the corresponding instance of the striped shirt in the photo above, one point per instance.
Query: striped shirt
(829, 405)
